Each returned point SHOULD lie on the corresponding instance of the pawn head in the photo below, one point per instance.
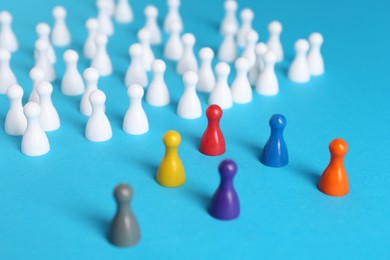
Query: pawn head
(101, 39)
(5, 55)
(123, 193)
(338, 147)
(252, 36)
(172, 139)
(188, 39)
(44, 88)
(242, 64)
(173, 3)
(59, 12)
(246, 14)
(261, 48)
(91, 74)
(269, 57)
(222, 69)
(301, 45)
(206, 54)
(227, 168)
(175, 27)
(158, 66)
(230, 29)
(214, 112)
(278, 121)
(37, 74)
(135, 50)
(190, 78)
(135, 91)
(32, 109)
(151, 11)
(316, 39)
(97, 97)
(41, 45)
(43, 29)
(14, 91)
(230, 5)
(70, 56)
(143, 35)
(92, 24)
(275, 27)
(5, 17)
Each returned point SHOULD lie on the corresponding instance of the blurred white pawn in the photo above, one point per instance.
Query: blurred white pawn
(136, 73)
(299, 71)
(241, 87)
(101, 61)
(43, 61)
(7, 77)
(49, 118)
(72, 83)
(15, 121)
(187, 60)
(60, 35)
(174, 47)
(246, 16)
(254, 73)
(92, 26)
(274, 30)
(124, 12)
(98, 127)
(206, 81)
(221, 94)
(111, 7)
(34, 141)
(189, 106)
(8, 39)
(37, 75)
(314, 58)
(147, 54)
(91, 77)
(104, 18)
(135, 121)
(173, 15)
(249, 52)
(230, 18)
(43, 32)
(228, 50)
(267, 84)
(151, 25)
(158, 94)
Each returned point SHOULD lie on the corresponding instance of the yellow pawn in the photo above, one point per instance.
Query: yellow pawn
(171, 171)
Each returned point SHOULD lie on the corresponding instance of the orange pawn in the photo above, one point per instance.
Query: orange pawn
(334, 180)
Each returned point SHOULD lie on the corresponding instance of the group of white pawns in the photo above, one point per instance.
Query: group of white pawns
(254, 67)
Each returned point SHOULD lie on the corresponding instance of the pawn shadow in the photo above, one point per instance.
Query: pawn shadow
(199, 197)
(150, 168)
(307, 173)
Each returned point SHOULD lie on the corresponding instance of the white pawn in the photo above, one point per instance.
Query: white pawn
(60, 35)
(228, 50)
(246, 26)
(173, 15)
(241, 87)
(104, 18)
(91, 77)
(254, 73)
(158, 94)
(92, 26)
(249, 52)
(151, 25)
(15, 121)
(221, 94)
(34, 141)
(8, 39)
(299, 71)
(206, 75)
(187, 60)
(72, 83)
(43, 62)
(275, 29)
(7, 77)
(174, 47)
(43, 32)
(101, 61)
(98, 127)
(49, 118)
(124, 12)
(111, 7)
(314, 58)
(135, 121)
(230, 18)
(136, 73)
(267, 84)
(147, 52)
(189, 106)
(37, 75)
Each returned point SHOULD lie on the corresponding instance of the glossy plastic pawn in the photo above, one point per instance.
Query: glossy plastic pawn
(158, 93)
(136, 73)
(49, 118)
(213, 141)
(189, 106)
(135, 121)
(15, 121)
(72, 83)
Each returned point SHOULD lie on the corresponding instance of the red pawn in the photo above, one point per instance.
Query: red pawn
(213, 142)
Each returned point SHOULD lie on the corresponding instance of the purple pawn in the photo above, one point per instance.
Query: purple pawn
(225, 204)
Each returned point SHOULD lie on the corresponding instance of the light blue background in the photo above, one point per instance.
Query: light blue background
(59, 206)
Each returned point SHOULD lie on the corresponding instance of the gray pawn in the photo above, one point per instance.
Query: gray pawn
(124, 230)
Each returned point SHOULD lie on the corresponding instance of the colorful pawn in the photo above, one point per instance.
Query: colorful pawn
(275, 152)
(171, 170)
(334, 180)
(213, 142)
(225, 204)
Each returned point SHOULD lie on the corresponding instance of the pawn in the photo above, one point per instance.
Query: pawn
(151, 25)
(299, 71)
(49, 118)
(275, 152)
(334, 180)
(106, 26)
(206, 74)
(189, 106)
(275, 29)
(213, 142)
(158, 94)
(230, 18)
(173, 49)
(135, 121)
(15, 121)
(241, 87)
(225, 204)
(7, 77)
(314, 57)
(37, 75)
(221, 94)
(72, 83)
(254, 73)
(187, 60)
(43, 62)
(98, 127)
(8, 39)
(60, 36)
(267, 83)
(144, 37)
(111, 7)
(249, 52)
(246, 26)
(124, 12)
(171, 172)
(124, 230)
(91, 77)
(173, 15)
(101, 61)
(136, 73)
(43, 32)
(92, 26)
(34, 141)
(228, 50)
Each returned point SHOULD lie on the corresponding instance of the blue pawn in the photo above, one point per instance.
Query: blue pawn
(275, 152)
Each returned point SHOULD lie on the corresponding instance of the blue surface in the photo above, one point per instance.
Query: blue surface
(59, 206)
